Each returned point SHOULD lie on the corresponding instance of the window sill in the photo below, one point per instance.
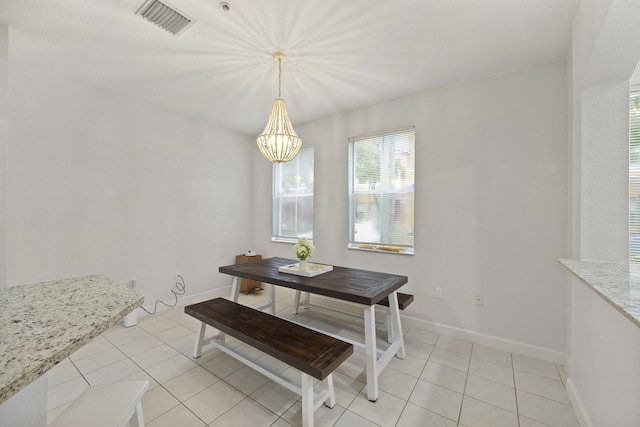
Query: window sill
(385, 249)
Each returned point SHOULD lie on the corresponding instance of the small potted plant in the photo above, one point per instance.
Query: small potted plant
(303, 250)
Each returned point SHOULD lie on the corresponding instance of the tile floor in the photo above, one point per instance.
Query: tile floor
(442, 382)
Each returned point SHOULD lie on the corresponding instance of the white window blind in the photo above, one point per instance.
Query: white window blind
(293, 197)
(381, 191)
(634, 176)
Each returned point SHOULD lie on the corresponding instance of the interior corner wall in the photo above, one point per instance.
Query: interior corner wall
(490, 214)
(4, 143)
(100, 183)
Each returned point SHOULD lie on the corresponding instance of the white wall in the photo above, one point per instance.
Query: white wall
(490, 204)
(603, 346)
(101, 183)
(4, 143)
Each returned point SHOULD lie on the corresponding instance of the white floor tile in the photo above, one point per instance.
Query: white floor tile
(155, 355)
(246, 413)
(62, 373)
(415, 416)
(171, 368)
(444, 376)
(99, 360)
(247, 380)
(396, 383)
(454, 344)
(179, 416)
(492, 355)
(437, 399)
(546, 411)
(97, 345)
(450, 358)
(157, 402)
(190, 383)
(542, 386)
(384, 412)
(323, 417)
(65, 392)
(535, 366)
(480, 414)
(421, 335)
(154, 324)
(410, 365)
(492, 371)
(112, 373)
(128, 335)
(491, 392)
(214, 401)
(275, 397)
(350, 419)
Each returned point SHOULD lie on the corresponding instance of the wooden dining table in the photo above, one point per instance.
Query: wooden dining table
(362, 287)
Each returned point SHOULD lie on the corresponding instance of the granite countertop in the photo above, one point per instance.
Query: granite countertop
(616, 283)
(43, 323)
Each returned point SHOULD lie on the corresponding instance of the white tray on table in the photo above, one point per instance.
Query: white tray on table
(311, 270)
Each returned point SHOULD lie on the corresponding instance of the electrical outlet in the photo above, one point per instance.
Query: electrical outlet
(439, 293)
(478, 300)
(133, 283)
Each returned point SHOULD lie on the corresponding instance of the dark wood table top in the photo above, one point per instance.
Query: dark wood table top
(348, 284)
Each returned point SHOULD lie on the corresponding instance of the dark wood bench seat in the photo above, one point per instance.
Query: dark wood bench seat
(403, 300)
(312, 353)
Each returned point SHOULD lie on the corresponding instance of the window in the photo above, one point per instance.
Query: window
(293, 197)
(381, 189)
(634, 176)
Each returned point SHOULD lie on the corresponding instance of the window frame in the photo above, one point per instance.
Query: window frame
(276, 196)
(634, 180)
(379, 247)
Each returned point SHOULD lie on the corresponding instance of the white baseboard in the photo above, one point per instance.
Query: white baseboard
(578, 405)
(485, 339)
(468, 335)
(184, 300)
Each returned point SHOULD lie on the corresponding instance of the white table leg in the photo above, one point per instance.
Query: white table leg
(296, 302)
(371, 353)
(272, 299)
(396, 326)
(235, 289)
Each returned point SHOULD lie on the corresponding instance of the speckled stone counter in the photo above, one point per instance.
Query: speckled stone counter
(43, 323)
(616, 283)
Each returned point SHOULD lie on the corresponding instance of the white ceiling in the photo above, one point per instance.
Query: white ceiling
(341, 54)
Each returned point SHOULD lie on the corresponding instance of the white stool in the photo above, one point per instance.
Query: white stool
(109, 405)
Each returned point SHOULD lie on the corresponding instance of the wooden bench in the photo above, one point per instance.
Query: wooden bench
(403, 302)
(312, 353)
(108, 405)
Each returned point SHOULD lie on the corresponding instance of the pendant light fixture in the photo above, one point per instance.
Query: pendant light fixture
(278, 142)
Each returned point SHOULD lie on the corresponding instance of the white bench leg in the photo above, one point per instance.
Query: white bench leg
(307, 400)
(137, 420)
(331, 401)
(107, 405)
(197, 349)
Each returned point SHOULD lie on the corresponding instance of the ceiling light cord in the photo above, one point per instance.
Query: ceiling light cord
(279, 77)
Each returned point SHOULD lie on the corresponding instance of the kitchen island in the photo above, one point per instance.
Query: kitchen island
(41, 324)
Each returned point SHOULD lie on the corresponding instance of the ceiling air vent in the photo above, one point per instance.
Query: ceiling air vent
(165, 17)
